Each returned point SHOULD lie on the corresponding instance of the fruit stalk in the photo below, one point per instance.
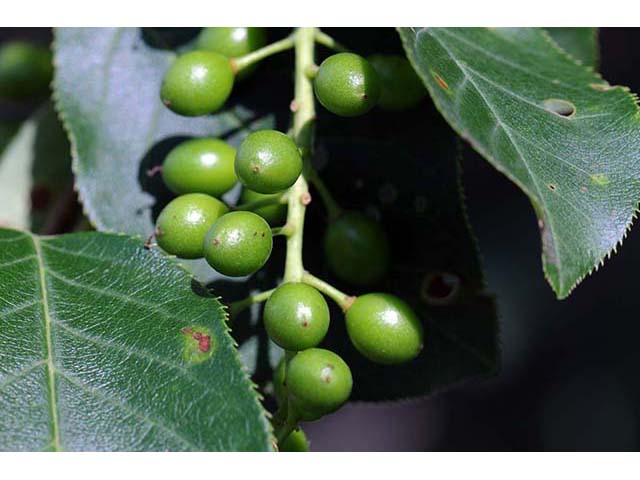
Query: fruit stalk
(303, 125)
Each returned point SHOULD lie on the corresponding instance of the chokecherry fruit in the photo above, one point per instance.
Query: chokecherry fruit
(25, 70)
(347, 85)
(384, 328)
(295, 442)
(183, 223)
(233, 42)
(238, 244)
(296, 316)
(400, 86)
(275, 214)
(200, 165)
(268, 161)
(197, 83)
(356, 249)
(318, 383)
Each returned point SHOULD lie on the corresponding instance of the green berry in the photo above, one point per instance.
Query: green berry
(200, 165)
(275, 213)
(347, 85)
(295, 442)
(296, 316)
(400, 87)
(318, 383)
(197, 83)
(238, 244)
(384, 329)
(268, 161)
(356, 249)
(232, 42)
(183, 224)
(25, 70)
(278, 382)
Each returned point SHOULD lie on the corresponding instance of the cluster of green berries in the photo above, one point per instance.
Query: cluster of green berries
(238, 242)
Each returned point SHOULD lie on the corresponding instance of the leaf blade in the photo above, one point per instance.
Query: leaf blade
(116, 372)
(491, 86)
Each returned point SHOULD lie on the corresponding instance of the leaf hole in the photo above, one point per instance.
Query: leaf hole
(440, 288)
(552, 187)
(562, 108)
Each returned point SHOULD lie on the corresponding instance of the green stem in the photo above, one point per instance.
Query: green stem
(242, 63)
(343, 300)
(333, 208)
(286, 230)
(284, 430)
(237, 307)
(324, 39)
(303, 119)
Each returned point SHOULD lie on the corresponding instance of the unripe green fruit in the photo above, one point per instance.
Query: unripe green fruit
(268, 161)
(318, 383)
(296, 316)
(384, 329)
(356, 249)
(347, 85)
(238, 244)
(400, 86)
(295, 442)
(278, 382)
(232, 42)
(197, 83)
(200, 165)
(25, 70)
(183, 224)
(275, 214)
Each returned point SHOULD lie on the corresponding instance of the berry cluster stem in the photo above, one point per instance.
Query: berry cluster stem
(303, 126)
(241, 63)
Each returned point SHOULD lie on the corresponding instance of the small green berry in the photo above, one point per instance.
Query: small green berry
(238, 244)
(200, 165)
(268, 161)
(25, 70)
(278, 382)
(296, 316)
(384, 329)
(275, 214)
(318, 383)
(197, 83)
(233, 42)
(295, 442)
(347, 85)
(182, 225)
(400, 86)
(356, 249)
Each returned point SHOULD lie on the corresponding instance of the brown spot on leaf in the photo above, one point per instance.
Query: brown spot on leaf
(441, 81)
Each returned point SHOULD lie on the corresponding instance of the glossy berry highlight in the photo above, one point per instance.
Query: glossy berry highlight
(197, 83)
(318, 383)
(268, 161)
(232, 42)
(384, 329)
(296, 316)
(200, 165)
(347, 85)
(400, 86)
(183, 224)
(238, 244)
(356, 249)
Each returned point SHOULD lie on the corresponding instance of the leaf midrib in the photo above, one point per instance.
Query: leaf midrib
(51, 369)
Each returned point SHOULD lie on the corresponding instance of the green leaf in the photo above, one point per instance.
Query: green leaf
(107, 346)
(402, 169)
(106, 86)
(568, 139)
(579, 42)
(35, 173)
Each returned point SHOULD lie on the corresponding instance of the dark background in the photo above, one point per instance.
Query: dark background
(570, 369)
(569, 379)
